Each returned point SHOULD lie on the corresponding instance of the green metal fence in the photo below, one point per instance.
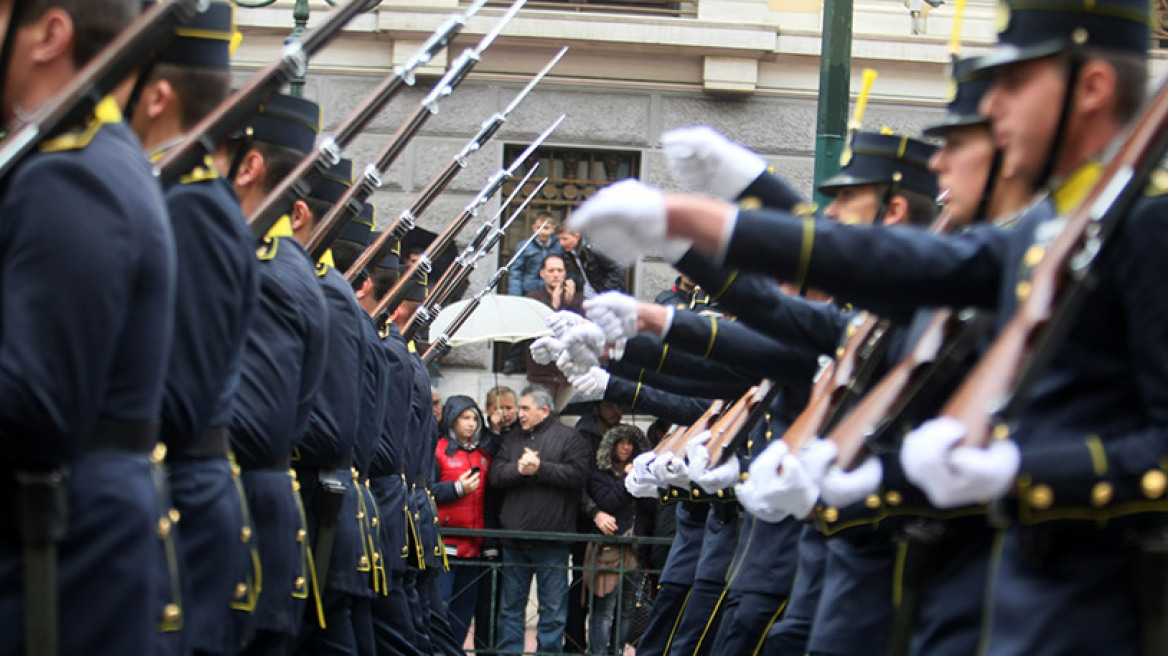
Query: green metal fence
(634, 592)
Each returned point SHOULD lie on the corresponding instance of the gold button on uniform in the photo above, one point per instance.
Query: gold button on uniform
(240, 590)
(174, 515)
(364, 562)
(299, 582)
(373, 521)
(245, 534)
(1041, 497)
(159, 453)
(360, 514)
(830, 514)
(1033, 256)
(1101, 494)
(301, 534)
(163, 527)
(1001, 431)
(171, 613)
(1153, 483)
(235, 470)
(872, 501)
(893, 498)
(1022, 290)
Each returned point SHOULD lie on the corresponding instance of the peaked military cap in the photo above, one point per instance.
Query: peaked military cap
(360, 229)
(1031, 29)
(335, 183)
(969, 86)
(393, 259)
(287, 121)
(416, 289)
(875, 158)
(206, 41)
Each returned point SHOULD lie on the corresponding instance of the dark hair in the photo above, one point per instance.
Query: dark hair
(319, 209)
(549, 256)
(278, 162)
(921, 209)
(199, 89)
(383, 280)
(345, 253)
(95, 22)
(1131, 80)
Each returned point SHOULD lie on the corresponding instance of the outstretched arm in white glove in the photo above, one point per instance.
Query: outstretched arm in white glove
(563, 320)
(583, 347)
(697, 455)
(708, 163)
(952, 475)
(625, 220)
(615, 313)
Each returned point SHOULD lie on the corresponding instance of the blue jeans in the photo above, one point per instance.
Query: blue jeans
(600, 623)
(549, 565)
(460, 588)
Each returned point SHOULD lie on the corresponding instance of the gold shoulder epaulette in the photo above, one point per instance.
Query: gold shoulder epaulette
(267, 250)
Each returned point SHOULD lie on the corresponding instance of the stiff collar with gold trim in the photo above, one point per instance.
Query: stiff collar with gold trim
(104, 113)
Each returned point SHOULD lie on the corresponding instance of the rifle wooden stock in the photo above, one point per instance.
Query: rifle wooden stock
(996, 389)
(109, 68)
(738, 430)
(912, 386)
(839, 384)
(723, 429)
(241, 105)
(676, 445)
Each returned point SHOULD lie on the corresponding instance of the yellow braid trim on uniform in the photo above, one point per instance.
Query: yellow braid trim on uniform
(676, 622)
(282, 228)
(713, 336)
(898, 573)
(256, 584)
(805, 252)
(661, 362)
(202, 173)
(316, 594)
(1098, 455)
(637, 392)
(364, 537)
(106, 112)
(327, 259)
(725, 286)
(767, 629)
(411, 347)
(1074, 189)
(709, 621)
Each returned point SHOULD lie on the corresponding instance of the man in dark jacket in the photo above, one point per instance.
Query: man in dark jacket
(593, 271)
(542, 470)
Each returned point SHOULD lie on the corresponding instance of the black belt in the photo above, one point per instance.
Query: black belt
(135, 436)
(215, 442)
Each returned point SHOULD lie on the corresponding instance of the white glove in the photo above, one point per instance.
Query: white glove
(956, 476)
(782, 482)
(592, 383)
(615, 313)
(640, 490)
(545, 350)
(840, 488)
(712, 480)
(670, 470)
(642, 472)
(706, 162)
(623, 220)
(561, 321)
(583, 344)
(750, 497)
(817, 456)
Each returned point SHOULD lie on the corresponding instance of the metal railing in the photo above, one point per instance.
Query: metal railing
(633, 593)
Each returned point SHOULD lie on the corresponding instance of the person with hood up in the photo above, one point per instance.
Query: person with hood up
(462, 464)
(618, 513)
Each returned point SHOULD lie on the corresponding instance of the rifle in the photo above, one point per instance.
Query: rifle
(409, 216)
(441, 345)
(241, 105)
(997, 388)
(425, 263)
(486, 239)
(735, 416)
(674, 443)
(95, 80)
(736, 432)
(297, 184)
(839, 383)
(327, 230)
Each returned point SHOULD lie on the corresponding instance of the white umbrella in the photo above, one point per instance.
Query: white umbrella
(499, 318)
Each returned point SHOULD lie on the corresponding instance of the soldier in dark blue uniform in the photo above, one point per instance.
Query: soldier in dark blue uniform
(1083, 468)
(283, 368)
(87, 269)
(324, 460)
(354, 238)
(216, 298)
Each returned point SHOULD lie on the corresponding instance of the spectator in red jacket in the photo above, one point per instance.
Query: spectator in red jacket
(462, 463)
